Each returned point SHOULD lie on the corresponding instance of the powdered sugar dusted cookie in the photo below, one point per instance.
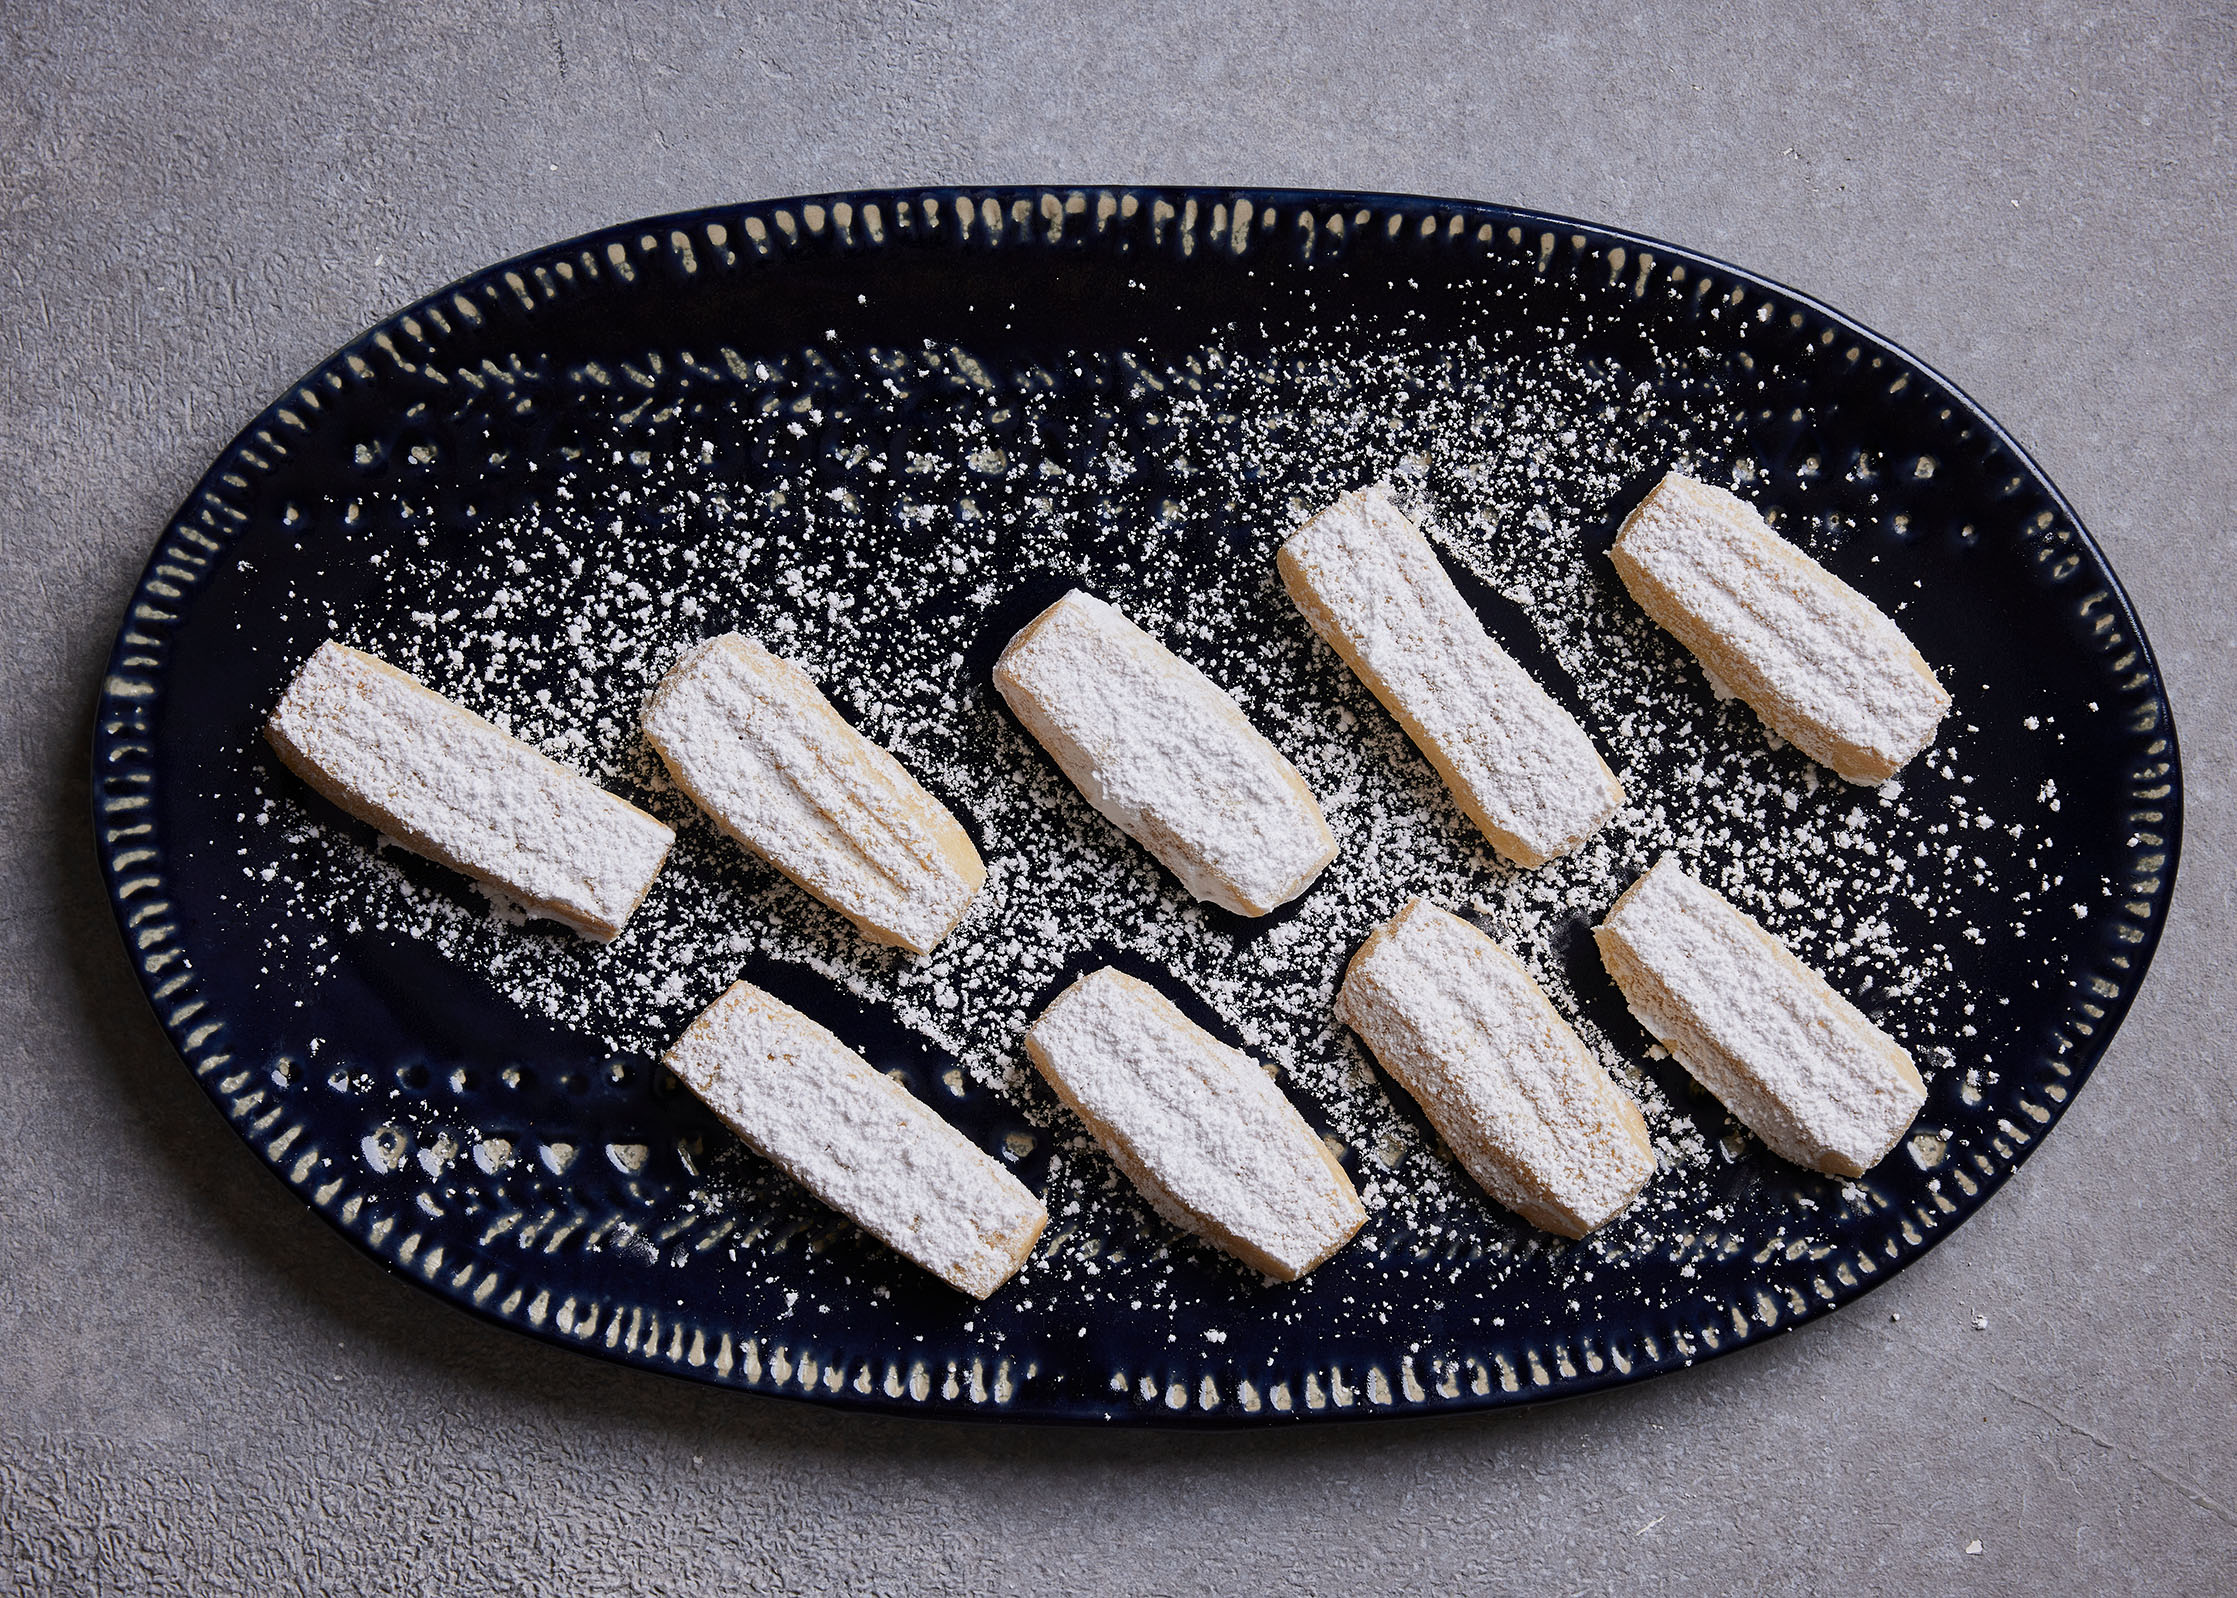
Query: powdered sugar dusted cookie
(1519, 764)
(1199, 1128)
(858, 1140)
(1820, 663)
(1460, 1025)
(758, 747)
(1799, 1064)
(446, 784)
(1165, 755)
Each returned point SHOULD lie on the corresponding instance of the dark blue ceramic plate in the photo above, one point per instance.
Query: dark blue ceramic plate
(883, 428)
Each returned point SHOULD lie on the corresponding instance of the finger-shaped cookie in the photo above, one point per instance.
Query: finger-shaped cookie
(1519, 764)
(1165, 755)
(1460, 1025)
(756, 745)
(858, 1140)
(1799, 1064)
(1199, 1128)
(1821, 664)
(446, 784)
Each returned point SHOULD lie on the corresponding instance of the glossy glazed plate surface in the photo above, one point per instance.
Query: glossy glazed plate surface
(880, 431)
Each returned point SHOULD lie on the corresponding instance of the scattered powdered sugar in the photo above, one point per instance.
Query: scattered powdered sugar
(876, 518)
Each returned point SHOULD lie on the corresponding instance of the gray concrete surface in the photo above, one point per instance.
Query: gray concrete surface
(203, 1389)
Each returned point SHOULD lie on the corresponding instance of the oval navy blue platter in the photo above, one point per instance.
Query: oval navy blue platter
(1147, 373)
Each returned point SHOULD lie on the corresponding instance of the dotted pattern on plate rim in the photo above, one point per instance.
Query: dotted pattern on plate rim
(1510, 456)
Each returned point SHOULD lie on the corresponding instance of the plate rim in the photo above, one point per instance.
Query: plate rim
(129, 685)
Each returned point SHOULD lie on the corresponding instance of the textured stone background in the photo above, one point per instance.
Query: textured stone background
(202, 1388)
